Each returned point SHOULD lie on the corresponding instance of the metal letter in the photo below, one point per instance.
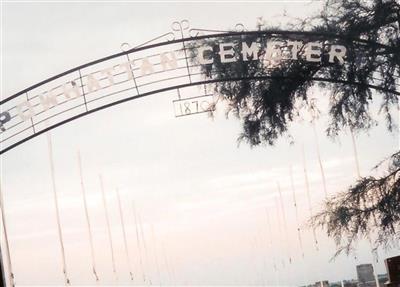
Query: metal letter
(229, 52)
(109, 73)
(127, 68)
(4, 117)
(92, 83)
(48, 101)
(249, 51)
(71, 92)
(28, 114)
(200, 55)
(166, 61)
(338, 52)
(310, 51)
(273, 53)
(146, 67)
(295, 47)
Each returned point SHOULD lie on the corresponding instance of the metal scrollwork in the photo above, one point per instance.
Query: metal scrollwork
(195, 32)
(125, 47)
(170, 36)
(182, 27)
(239, 27)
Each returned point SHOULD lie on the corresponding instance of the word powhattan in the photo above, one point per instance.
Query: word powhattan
(274, 53)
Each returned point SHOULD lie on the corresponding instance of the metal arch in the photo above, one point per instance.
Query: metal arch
(200, 37)
(182, 26)
(180, 87)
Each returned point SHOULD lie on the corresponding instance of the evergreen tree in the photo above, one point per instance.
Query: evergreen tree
(269, 95)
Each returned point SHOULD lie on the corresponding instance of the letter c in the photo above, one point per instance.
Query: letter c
(200, 55)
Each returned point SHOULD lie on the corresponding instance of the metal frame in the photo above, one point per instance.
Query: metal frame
(180, 28)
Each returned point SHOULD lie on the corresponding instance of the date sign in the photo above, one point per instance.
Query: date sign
(194, 105)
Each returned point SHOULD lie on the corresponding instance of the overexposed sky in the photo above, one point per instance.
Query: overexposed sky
(203, 195)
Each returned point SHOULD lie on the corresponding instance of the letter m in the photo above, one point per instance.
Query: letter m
(48, 100)
(251, 51)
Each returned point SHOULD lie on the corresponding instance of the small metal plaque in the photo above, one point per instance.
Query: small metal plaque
(194, 105)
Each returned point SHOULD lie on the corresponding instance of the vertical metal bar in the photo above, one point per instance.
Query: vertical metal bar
(124, 233)
(259, 271)
(6, 245)
(2, 271)
(264, 269)
(284, 223)
(353, 140)
(270, 247)
(138, 242)
(33, 126)
(133, 75)
(184, 51)
(83, 91)
(320, 161)
(359, 177)
(60, 236)
(146, 254)
(167, 266)
(278, 218)
(296, 213)
(155, 254)
(87, 218)
(173, 273)
(299, 237)
(307, 184)
(108, 227)
(186, 59)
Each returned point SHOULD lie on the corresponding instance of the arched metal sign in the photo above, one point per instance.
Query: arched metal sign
(171, 61)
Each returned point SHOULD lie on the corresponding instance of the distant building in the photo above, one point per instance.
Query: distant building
(321, 284)
(350, 283)
(365, 274)
(382, 278)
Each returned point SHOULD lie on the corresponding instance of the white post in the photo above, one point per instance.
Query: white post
(60, 236)
(124, 234)
(108, 227)
(87, 219)
(6, 245)
(359, 177)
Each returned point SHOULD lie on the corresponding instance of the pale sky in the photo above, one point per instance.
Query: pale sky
(202, 194)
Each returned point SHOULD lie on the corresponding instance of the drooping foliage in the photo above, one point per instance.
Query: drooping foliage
(266, 107)
(368, 209)
(269, 102)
